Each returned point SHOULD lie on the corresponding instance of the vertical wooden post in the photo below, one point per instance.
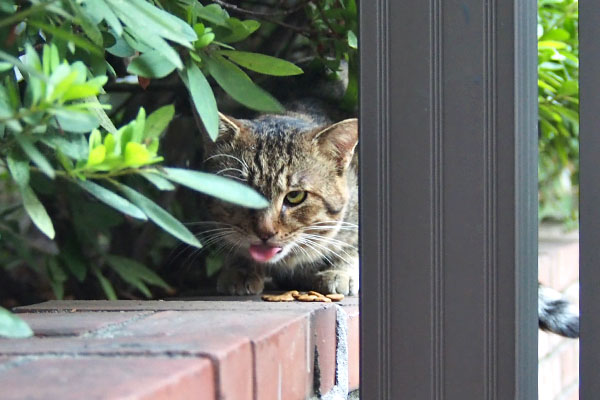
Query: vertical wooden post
(448, 151)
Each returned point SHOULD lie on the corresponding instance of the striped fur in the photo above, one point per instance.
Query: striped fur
(556, 314)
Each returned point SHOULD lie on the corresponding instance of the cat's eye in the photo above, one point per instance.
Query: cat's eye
(295, 197)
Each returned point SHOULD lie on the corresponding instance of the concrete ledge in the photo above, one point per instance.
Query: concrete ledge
(214, 348)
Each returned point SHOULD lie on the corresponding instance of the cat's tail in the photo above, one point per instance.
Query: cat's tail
(556, 314)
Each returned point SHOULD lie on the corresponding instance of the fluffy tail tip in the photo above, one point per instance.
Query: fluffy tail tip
(556, 314)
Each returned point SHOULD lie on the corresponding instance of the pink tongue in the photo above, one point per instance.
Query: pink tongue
(262, 253)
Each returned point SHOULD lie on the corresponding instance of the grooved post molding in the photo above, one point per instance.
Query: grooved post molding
(448, 149)
(589, 233)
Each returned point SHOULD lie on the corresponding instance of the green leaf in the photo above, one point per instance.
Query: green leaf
(162, 218)
(352, 40)
(96, 156)
(126, 267)
(89, 27)
(262, 63)
(238, 30)
(73, 120)
(107, 287)
(19, 169)
(144, 19)
(158, 181)
(551, 44)
(37, 212)
(239, 86)
(136, 154)
(122, 266)
(204, 100)
(12, 326)
(112, 199)
(158, 121)
(217, 186)
(57, 277)
(151, 65)
(213, 13)
(63, 34)
(72, 145)
(35, 156)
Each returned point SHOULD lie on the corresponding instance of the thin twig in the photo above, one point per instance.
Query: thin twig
(262, 13)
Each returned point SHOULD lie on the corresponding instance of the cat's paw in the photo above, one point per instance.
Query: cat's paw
(238, 282)
(336, 281)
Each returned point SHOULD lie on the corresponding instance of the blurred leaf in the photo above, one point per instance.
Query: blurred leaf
(158, 181)
(162, 218)
(150, 65)
(352, 40)
(112, 199)
(158, 121)
(19, 169)
(217, 186)
(63, 34)
(72, 120)
(131, 270)
(136, 155)
(239, 86)
(35, 156)
(213, 13)
(107, 287)
(12, 326)
(262, 63)
(57, 278)
(204, 100)
(37, 212)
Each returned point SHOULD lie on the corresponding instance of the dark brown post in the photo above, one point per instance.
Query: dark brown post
(589, 224)
(448, 199)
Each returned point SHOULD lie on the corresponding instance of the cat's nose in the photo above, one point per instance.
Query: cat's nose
(265, 235)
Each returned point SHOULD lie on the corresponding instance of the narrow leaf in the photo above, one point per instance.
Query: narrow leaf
(19, 169)
(262, 63)
(151, 65)
(217, 186)
(158, 121)
(158, 181)
(138, 270)
(35, 156)
(161, 217)
(239, 86)
(204, 100)
(112, 199)
(12, 326)
(107, 287)
(37, 212)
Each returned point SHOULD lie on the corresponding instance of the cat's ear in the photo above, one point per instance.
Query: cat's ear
(229, 127)
(339, 140)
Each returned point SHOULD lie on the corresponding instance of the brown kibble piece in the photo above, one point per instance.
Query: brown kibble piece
(287, 296)
(320, 297)
(335, 296)
(307, 297)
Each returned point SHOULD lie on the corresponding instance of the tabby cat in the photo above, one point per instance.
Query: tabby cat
(307, 238)
(306, 166)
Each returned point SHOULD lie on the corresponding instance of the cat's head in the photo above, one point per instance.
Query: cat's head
(306, 171)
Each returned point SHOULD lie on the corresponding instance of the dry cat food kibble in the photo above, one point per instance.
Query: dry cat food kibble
(311, 296)
(287, 296)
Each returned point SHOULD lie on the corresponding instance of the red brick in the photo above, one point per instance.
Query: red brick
(323, 325)
(74, 323)
(353, 347)
(110, 378)
(569, 363)
(283, 368)
(549, 385)
(229, 303)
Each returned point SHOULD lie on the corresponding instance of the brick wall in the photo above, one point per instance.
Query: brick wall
(558, 377)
